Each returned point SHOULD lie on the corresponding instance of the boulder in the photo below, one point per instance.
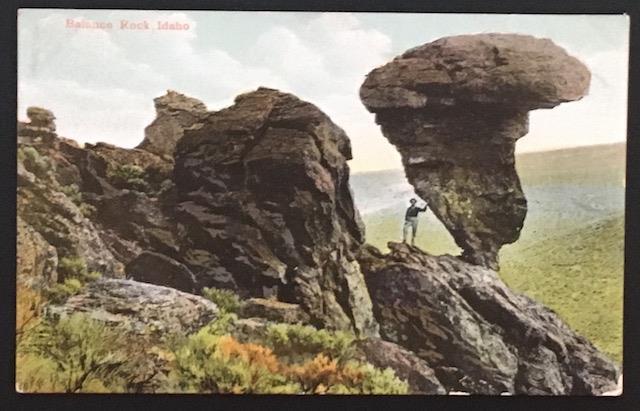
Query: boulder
(454, 108)
(273, 310)
(174, 113)
(145, 309)
(477, 334)
(406, 365)
(42, 118)
(154, 268)
(264, 200)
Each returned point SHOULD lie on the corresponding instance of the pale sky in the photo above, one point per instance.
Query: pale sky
(100, 83)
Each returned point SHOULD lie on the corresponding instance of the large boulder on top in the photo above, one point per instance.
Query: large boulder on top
(478, 335)
(454, 109)
(174, 113)
(264, 203)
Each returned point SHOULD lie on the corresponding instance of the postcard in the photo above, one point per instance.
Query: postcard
(237, 202)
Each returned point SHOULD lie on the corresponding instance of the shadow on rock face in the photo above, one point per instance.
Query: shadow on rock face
(454, 109)
(264, 201)
(477, 334)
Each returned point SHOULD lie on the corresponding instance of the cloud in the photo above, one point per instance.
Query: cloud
(101, 83)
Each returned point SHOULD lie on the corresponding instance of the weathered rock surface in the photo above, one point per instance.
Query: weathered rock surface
(454, 109)
(36, 259)
(175, 112)
(273, 310)
(57, 219)
(264, 202)
(406, 364)
(41, 124)
(155, 268)
(145, 309)
(478, 335)
(259, 202)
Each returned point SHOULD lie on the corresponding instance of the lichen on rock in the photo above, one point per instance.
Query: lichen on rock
(477, 334)
(454, 108)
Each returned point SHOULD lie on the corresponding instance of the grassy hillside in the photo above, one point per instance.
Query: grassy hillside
(570, 252)
(578, 274)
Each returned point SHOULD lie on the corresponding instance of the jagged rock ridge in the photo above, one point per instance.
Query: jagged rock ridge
(259, 203)
(265, 205)
(454, 109)
(175, 112)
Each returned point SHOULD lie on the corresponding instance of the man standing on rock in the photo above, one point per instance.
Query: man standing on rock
(411, 220)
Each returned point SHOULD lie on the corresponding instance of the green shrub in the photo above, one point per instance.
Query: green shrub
(34, 161)
(71, 353)
(297, 341)
(73, 192)
(74, 275)
(207, 362)
(75, 267)
(129, 176)
(72, 267)
(226, 300)
(87, 210)
(59, 292)
(75, 195)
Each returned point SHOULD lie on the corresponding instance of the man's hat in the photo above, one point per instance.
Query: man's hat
(413, 200)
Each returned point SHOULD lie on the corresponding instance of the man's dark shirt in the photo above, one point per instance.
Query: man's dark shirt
(413, 211)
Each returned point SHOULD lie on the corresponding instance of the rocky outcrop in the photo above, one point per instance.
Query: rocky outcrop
(264, 200)
(406, 365)
(144, 309)
(41, 125)
(155, 268)
(36, 260)
(175, 112)
(258, 202)
(477, 334)
(454, 109)
(44, 208)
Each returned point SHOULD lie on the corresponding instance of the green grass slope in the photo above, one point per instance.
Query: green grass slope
(579, 274)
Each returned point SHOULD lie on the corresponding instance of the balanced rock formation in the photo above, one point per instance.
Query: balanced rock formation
(454, 109)
(477, 334)
(175, 112)
(265, 208)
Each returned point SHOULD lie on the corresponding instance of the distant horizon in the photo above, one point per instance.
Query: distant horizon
(614, 143)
